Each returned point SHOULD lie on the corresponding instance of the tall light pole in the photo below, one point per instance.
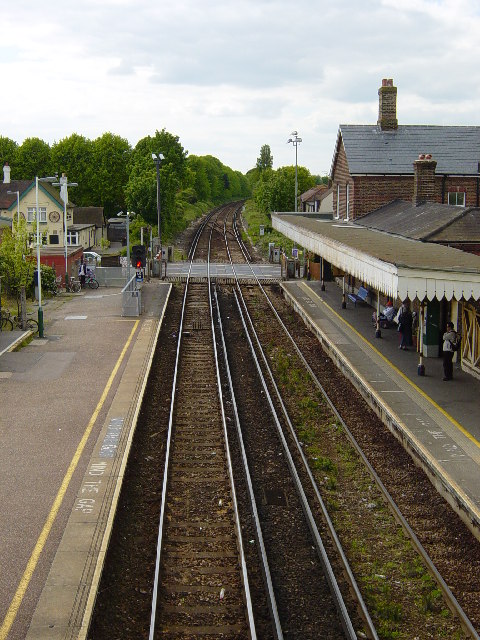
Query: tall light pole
(127, 215)
(18, 203)
(63, 184)
(39, 273)
(157, 158)
(295, 140)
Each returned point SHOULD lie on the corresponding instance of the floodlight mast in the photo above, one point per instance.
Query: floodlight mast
(295, 140)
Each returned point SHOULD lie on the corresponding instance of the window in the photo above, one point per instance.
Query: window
(31, 214)
(337, 215)
(32, 238)
(456, 198)
(54, 239)
(72, 238)
(347, 197)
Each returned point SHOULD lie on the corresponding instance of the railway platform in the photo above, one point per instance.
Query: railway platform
(437, 421)
(69, 404)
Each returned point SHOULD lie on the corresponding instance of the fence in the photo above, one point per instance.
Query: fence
(132, 298)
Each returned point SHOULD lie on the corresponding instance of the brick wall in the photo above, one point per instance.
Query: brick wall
(370, 192)
(341, 177)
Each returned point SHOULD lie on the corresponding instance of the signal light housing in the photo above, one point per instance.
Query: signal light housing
(139, 256)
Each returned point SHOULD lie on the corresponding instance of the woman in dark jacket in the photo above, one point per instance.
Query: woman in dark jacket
(405, 322)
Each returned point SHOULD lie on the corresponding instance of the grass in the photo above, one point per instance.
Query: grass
(400, 593)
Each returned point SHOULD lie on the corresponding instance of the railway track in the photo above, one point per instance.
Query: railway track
(281, 606)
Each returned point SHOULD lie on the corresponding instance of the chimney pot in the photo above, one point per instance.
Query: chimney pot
(6, 173)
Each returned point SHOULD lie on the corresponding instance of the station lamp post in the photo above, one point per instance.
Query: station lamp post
(39, 272)
(295, 140)
(157, 158)
(63, 184)
(18, 203)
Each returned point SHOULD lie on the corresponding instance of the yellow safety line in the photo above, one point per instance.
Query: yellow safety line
(42, 539)
(400, 373)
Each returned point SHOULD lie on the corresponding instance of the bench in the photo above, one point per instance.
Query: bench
(361, 296)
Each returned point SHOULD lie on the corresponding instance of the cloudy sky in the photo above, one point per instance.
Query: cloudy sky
(228, 77)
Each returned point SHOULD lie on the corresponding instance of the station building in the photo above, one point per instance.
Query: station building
(404, 225)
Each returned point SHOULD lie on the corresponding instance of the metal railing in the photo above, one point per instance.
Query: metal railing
(132, 298)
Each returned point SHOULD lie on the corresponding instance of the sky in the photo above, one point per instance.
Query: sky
(228, 77)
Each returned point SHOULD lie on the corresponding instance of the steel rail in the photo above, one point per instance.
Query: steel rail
(322, 554)
(338, 546)
(167, 459)
(320, 548)
(447, 593)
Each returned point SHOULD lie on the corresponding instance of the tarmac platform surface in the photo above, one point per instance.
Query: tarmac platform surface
(68, 406)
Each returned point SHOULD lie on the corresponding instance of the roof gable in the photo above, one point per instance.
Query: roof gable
(370, 150)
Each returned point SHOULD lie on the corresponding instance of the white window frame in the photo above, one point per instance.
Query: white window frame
(31, 214)
(70, 236)
(32, 238)
(337, 214)
(347, 196)
(456, 194)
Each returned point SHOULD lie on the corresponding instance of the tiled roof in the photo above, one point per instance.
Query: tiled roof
(89, 215)
(314, 193)
(370, 150)
(402, 218)
(465, 230)
(6, 199)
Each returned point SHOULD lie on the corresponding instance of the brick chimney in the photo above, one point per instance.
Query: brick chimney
(6, 173)
(424, 179)
(387, 106)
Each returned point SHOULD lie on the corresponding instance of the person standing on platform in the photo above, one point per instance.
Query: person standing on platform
(82, 272)
(405, 322)
(450, 341)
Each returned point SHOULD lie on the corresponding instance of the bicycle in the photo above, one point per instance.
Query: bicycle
(92, 283)
(73, 286)
(10, 322)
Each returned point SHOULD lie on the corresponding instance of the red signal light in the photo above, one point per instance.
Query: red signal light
(139, 264)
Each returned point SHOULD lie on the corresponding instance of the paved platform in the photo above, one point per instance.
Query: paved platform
(69, 404)
(437, 421)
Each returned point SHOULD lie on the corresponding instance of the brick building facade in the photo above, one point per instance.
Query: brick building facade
(374, 164)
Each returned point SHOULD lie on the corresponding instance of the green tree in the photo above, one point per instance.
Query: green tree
(33, 158)
(16, 264)
(111, 159)
(265, 161)
(8, 153)
(141, 189)
(74, 156)
(276, 189)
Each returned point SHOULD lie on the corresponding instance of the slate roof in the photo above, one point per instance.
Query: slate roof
(7, 200)
(373, 151)
(314, 193)
(402, 218)
(89, 215)
(431, 221)
(465, 230)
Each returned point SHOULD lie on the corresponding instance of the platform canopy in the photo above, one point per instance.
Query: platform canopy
(396, 266)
